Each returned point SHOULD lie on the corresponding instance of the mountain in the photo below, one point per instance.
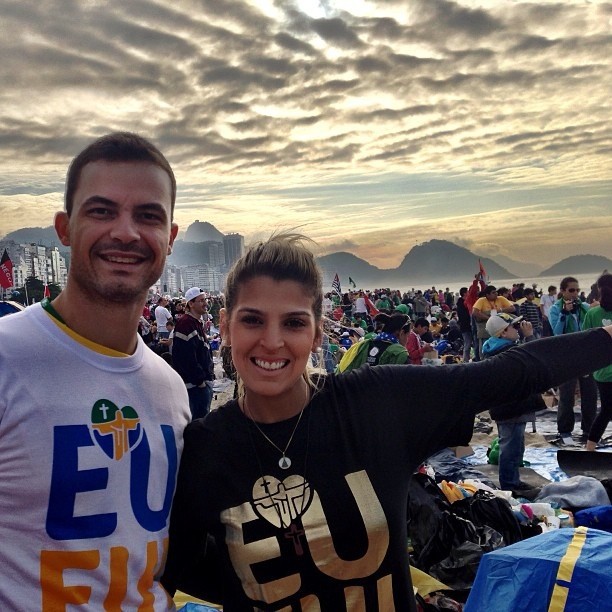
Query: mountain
(202, 231)
(579, 264)
(442, 259)
(37, 235)
(346, 264)
(428, 262)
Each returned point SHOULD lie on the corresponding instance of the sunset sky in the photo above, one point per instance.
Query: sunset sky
(371, 126)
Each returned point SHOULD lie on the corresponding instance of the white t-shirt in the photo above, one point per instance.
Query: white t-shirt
(360, 305)
(546, 301)
(162, 316)
(89, 450)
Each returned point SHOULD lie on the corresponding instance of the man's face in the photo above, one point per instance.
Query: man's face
(120, 230)
(492, 295)
(197, 306)
(510, 333)
(529, 297)
(421, 329)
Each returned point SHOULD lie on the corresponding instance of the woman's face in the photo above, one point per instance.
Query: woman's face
(272, 331)
(571, 291)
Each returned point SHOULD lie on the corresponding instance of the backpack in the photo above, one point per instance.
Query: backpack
(377, 348)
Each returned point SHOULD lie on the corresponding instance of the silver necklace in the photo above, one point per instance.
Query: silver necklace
(284, 462)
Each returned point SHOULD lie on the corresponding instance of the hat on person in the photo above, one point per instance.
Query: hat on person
(345, 334)
(497, 323)
(192, 293)
(402, 308)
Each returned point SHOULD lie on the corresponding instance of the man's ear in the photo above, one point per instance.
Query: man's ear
(173, 232)
(61, 222)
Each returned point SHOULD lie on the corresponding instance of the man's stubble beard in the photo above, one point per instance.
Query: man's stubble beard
(113, 291)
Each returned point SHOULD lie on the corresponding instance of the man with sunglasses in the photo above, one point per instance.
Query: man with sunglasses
(567, 316)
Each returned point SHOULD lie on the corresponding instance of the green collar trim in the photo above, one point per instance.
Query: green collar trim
(46, 304)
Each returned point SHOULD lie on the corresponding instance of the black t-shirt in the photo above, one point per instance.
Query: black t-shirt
(329, 533)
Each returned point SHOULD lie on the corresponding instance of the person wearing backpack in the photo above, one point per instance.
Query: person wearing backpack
(385, 348)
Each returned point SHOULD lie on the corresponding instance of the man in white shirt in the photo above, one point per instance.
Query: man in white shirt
(162, 316)
(91, 420)
(361, 307)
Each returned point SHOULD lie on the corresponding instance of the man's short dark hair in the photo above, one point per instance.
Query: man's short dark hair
(490, 289)
(421, 322)
(116, 147)
(529, 291)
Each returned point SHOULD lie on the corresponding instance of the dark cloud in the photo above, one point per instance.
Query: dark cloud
(337, 32)
(293, 44)
(451, 17)
(534, 43)
(237, 86)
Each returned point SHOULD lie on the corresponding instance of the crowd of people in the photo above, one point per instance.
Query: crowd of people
(117, 486)
(455, 317)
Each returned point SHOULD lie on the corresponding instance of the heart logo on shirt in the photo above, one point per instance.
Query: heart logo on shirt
(116, 430)
(280, 503)
(605, 322)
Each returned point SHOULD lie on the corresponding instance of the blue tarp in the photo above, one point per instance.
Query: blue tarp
(541, 460)
(522, 576)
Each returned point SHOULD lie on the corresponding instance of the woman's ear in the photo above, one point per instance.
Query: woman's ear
(224, 327)
(316, 343)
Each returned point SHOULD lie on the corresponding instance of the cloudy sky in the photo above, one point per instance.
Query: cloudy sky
(372, 126)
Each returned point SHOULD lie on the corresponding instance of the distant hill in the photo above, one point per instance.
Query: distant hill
(436, 259)
(443, 259)
(579, 264)
(202, 231)
(38, 235)
(347, 264)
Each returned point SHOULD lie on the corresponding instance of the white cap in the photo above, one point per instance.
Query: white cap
(193, 293)
(497, 323)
